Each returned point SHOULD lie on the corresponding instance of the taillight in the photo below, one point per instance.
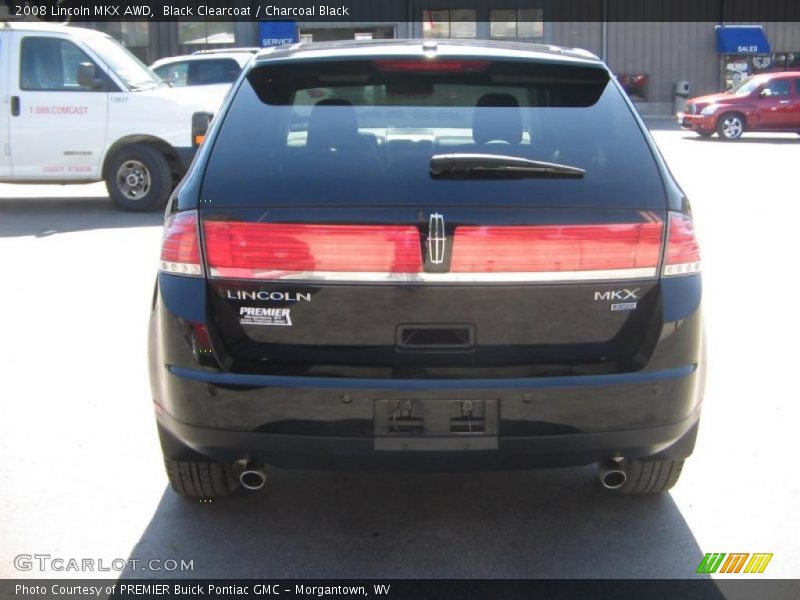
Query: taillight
(255, 250)
(180, 250)
(587, 249)
(683, 251)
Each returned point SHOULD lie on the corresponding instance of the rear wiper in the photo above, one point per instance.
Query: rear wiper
(496, 166)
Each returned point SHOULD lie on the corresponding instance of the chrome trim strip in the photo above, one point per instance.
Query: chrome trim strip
(384, 277)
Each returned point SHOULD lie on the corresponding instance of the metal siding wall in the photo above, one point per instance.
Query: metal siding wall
(576, 34)
(783, 37)
(667, 52)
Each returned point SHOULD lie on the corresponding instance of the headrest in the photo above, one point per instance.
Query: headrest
(497, 118)
(332, 124)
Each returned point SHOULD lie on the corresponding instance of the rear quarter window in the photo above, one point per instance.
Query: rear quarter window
(364, 132)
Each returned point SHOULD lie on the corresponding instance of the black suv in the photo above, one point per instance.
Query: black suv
(427, 255)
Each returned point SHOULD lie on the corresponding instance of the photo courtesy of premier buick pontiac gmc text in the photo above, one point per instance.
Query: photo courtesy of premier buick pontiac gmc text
(427, 255)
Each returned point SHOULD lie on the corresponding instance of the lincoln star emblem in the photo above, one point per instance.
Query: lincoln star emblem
(436, 239)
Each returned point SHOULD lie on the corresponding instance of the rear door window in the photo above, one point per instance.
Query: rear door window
(364, 132)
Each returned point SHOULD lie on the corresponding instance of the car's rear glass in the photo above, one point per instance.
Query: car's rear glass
(364, 132)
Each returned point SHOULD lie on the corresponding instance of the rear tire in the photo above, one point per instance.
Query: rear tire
(730, 126)
(139, 178)
(201, 479)
(651, 477)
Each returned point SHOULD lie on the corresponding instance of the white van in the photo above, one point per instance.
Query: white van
(78, 107)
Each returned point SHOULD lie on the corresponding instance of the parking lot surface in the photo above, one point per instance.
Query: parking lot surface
(80, 465)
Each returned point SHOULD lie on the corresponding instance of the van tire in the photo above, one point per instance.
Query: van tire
(139, 178)
(651, 477)
(201, 479)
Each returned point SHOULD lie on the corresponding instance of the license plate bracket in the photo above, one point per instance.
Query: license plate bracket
(432, 425)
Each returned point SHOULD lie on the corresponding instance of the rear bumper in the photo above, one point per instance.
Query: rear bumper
(331, 423)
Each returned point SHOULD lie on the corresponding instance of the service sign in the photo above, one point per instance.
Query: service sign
(277, 33)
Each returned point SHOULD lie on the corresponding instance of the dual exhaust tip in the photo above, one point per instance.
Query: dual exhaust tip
(612, 473)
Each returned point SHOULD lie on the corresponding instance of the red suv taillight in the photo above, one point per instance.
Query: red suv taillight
(683, 251)
(180, 247)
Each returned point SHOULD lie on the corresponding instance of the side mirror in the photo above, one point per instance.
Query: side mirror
(87, 76)
(200, 123)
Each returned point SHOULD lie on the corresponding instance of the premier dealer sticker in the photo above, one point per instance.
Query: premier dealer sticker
(256, 315)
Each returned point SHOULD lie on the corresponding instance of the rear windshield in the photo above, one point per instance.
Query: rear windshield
(364, 132)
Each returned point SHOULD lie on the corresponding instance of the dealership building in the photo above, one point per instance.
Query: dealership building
(713, 45)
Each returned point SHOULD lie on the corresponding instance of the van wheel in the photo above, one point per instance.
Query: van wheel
(139, 178)
(650, 477)
(730, 126)
(201, 479)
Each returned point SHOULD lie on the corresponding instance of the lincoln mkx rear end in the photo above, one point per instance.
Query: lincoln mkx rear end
(402, 256)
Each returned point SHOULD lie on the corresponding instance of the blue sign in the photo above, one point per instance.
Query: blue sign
(276, 33)
(742, 39)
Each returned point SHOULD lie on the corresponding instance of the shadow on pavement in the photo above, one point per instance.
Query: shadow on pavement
(48, 216)
(555, 523)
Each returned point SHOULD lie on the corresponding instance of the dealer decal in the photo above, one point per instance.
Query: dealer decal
(257, 315)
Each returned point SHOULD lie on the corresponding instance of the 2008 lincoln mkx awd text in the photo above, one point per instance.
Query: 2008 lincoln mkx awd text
(407, 254)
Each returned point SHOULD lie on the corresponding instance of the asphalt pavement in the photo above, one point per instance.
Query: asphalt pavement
(80, 468)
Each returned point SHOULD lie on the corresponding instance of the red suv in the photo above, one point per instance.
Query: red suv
(764, 102)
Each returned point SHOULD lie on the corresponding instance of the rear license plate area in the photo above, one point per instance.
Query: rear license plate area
(413, 424)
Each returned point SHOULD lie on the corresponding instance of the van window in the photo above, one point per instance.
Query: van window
(349, 132)
(51, 64)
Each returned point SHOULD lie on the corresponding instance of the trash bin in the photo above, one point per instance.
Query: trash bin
(682, 91)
